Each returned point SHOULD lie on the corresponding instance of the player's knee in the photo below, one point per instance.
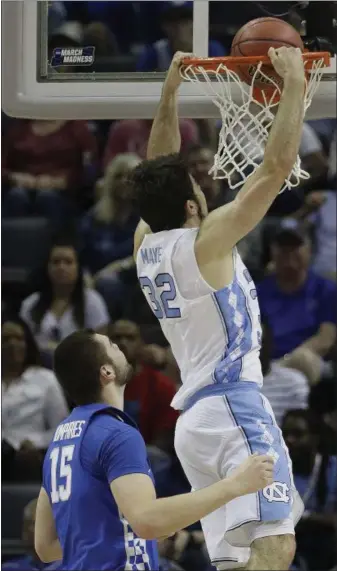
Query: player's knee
(278, 551)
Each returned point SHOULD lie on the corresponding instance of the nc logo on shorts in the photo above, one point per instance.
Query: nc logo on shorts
(277, 492)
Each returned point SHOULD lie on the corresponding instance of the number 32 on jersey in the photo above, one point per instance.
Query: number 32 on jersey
(61, 474)
(161, 293)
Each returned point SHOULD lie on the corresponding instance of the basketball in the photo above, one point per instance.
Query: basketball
(255, 38)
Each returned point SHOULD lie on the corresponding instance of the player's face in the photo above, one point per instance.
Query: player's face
(63, 266)
(117, 359)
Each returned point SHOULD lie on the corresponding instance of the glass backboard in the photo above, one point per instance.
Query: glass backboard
(106, 60)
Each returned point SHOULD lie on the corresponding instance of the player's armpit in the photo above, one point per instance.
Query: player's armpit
(46, 542)
(140, 232)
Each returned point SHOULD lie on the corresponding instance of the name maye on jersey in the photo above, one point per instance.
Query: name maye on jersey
(71, 56)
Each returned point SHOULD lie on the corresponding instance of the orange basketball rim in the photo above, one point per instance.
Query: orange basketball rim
(212, 66)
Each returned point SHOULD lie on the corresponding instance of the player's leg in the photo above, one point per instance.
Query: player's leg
(272, 539)
(212, 439)
(274, 553)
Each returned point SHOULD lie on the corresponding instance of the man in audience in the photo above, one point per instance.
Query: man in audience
(284, 387)
(149, 393)
(299, 305)
(314, 160)
(200, 161)
(29, 561)
(315, 478)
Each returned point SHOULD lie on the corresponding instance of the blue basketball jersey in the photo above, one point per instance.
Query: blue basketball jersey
(95, 445)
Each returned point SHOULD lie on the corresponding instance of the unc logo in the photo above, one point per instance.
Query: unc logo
(277, 492)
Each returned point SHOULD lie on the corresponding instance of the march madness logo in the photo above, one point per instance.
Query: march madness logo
(73, 56)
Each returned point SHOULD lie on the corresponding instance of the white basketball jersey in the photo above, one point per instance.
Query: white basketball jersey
(214, 335)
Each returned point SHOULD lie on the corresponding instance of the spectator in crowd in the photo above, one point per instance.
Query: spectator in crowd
(29, 561)
(200, 161)
(149, 393)
(299, 305)
(325, 236)
(32, 402)
(315, 478)
(284, 387)
(132, 135)
(63, 304)
(97, 34)
(185, 548)
(177, 25)
(56, 16)
(45, 166)
(106, 234)
(332, 162)
(315, 162)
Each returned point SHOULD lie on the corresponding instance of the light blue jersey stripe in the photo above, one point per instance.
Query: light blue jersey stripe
(233, 307)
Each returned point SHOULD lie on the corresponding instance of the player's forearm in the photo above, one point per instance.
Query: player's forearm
(262, 187)
(166, 516)
(285, 135)
(165, 133)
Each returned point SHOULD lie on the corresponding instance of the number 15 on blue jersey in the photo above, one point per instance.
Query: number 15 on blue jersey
(161, 302)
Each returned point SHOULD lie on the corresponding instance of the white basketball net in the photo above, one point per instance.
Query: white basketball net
(245, 122)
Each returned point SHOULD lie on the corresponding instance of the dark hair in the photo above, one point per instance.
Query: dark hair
(45, 298)
(161, 187)
(310, 418)
(33, 357)
(77, 362)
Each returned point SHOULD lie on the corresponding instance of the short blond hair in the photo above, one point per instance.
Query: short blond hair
(104, 209)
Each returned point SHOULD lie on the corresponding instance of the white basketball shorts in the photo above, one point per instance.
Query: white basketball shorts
(212, 438)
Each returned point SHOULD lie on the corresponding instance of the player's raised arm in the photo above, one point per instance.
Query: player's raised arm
(165, 136)
(224, 227)
(152, 518)
(165, 133)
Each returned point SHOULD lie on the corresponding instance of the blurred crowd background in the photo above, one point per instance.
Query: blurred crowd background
(67, 233)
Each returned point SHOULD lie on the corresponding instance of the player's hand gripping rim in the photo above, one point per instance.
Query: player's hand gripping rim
(288, 62)
(173, 77)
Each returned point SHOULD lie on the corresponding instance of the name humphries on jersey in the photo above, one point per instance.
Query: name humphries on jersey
(69, 430)
(73, 56)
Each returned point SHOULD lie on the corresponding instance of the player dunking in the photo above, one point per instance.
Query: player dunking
(206, 302)
(97, 508)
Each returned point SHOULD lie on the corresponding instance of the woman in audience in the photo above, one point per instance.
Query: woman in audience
(32, 402)
(315, 478)
(45, 166)
(63, 304)
(106, 234)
